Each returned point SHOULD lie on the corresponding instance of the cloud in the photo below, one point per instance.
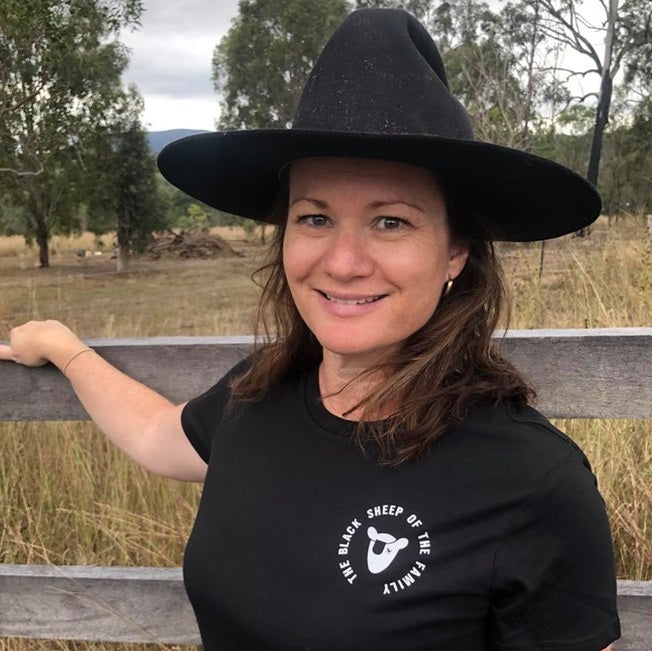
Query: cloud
(162, 113)
(176, 66)
(171, 55)
(206, 17)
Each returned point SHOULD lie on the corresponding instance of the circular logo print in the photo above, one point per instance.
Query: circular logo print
(386, 546)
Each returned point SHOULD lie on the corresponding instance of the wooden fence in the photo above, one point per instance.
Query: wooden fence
(579, 374)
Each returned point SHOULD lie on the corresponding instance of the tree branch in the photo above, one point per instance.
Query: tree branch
(581, 99)
(576, 99)
(604, 6)
(618, 59)
(587, 25)
(562, 37)
(571, 73)
(20, 174)
(29, 97)
(579, 42)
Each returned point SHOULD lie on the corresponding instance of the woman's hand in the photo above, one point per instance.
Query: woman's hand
(38, 342)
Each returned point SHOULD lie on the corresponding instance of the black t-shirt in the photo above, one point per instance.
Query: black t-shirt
(497, 539)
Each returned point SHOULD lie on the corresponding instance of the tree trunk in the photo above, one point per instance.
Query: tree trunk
(122, 254)
(601, 120)
(122, 259)
(604, 102)
(43, 240)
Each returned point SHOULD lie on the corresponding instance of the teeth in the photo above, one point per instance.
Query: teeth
(355, 301)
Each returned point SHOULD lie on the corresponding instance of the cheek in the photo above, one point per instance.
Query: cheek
(289, 256)
(423, 270)
(296, 259)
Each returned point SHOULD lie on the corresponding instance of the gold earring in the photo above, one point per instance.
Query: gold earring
(448, 287)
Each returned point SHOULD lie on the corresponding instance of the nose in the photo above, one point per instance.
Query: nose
(348, 255)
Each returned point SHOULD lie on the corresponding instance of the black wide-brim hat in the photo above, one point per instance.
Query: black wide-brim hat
(379, 90)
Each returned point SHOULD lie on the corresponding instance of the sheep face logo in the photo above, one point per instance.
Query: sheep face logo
(394, 561)
(382, 550)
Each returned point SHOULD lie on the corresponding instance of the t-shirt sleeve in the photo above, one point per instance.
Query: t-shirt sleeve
(202, 416)
(554, 584)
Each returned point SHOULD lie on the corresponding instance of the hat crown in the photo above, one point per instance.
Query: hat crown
(381, 73)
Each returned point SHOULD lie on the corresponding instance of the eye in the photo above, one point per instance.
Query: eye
(391, 223)
(316, 221)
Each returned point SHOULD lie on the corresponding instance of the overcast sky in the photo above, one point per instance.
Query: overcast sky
(171, 61)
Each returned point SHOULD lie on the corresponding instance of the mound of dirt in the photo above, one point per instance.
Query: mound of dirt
(189, 244)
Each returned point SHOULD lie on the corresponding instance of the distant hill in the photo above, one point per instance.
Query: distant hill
(158, 139)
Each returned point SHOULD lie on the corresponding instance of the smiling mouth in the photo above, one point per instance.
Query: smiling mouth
(353, 301)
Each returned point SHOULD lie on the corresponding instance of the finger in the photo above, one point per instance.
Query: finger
(7, 353)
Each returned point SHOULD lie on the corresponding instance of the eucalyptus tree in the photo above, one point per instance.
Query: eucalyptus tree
(59, 83)
(620, 36)
(263, 61)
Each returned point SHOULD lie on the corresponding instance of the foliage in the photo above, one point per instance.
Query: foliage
(640, 147)
(262, 63)
(59, 83)
(481, 75)
(627, 37)
(639, 61)
(627, 169)
(627, 154)
(138, 211)
(183, 211)
(569, 149)
(12, 217)
(421, 9)
(175, 203)
(126, 196)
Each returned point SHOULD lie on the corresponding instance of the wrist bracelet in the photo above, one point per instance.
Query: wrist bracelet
(77, 354)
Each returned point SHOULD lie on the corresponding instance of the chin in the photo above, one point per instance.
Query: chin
(349, 347)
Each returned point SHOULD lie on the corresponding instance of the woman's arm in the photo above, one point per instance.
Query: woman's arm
(138, 420)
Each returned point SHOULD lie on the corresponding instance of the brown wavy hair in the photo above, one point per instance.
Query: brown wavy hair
(441, 370)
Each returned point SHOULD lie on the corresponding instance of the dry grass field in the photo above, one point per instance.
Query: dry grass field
(66, 497)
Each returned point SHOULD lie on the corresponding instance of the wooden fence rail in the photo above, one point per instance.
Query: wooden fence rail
(579, 374)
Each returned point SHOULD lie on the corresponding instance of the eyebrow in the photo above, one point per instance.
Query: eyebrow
(382, 204)
(318, 202)
(373, 204)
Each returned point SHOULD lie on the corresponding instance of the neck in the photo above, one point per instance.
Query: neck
(344, 383)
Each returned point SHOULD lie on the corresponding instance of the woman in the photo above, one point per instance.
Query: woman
(373, 476)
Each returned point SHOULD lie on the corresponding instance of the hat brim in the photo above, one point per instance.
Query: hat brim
(525, 197)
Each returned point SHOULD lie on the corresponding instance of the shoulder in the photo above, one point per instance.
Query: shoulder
(510, 445)
(521, 427)
(201, 415)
